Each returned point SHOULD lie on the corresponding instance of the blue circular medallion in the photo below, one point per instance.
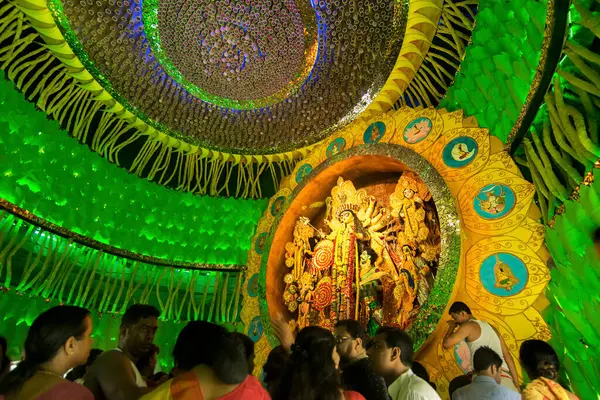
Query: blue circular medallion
(255, 330)
(503, 274)
(374, 132)
(253, 286)
(494, 201)
(261, 240)
(303, 171)
(337, 145)
(277, 205)
(460, 152)
(417, 130)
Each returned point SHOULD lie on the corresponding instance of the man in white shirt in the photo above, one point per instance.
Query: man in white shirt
(392, 354)
(477, 333)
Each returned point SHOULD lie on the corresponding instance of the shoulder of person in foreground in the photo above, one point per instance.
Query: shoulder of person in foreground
(253, 389)
(373, 385)
(422, 390)
(161, 392)
(67, 390)
(351, 395)
(114, 374)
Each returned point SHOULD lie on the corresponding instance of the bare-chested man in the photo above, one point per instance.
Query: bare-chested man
(113, 375)
(476, 334)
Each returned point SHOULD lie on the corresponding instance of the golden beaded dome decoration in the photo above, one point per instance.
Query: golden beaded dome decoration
(241, 76)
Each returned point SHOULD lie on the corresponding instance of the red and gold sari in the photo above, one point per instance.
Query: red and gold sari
(187, 387)
(546, 389)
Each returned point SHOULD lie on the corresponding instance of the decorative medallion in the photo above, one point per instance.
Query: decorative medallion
(253, 286)
(460, 152)
(323, 257)
(323, 295)
(336, 146)
(374, 132)
(503, 274)
(259, 245)
(417, 130)
(255, 330)
(494, 201)
(302, 172)
(277, 205)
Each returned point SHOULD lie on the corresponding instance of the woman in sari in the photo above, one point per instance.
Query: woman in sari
(541, 363)
(215, 364)
(311, 372)
(58, 340)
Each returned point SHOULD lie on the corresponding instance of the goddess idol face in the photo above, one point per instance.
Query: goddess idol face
(346, 217)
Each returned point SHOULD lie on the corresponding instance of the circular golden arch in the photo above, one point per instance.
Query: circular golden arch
(509, 232)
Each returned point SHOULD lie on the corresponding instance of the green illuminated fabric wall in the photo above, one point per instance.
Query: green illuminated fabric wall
(573, 291)
(52, 175)
(500, 63)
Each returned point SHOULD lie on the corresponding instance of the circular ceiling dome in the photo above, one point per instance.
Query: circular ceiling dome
(239, 76)
(248, 53)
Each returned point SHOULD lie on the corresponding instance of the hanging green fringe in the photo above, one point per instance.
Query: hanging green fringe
(46, 265)
(53, 78)
(567, 147)
(445, 54)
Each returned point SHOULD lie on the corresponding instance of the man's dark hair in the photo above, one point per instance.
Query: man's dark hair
(459, 306)
(137, 312)
(396, 337)
(484, 358)
(458, 382)
(354, 329)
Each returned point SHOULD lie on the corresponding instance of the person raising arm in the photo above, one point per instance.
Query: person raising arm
(477, 333)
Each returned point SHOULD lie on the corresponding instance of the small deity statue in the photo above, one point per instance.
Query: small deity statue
(306, 295)
(407, 203)
(504, 276)
(422, 272)
(299, 250)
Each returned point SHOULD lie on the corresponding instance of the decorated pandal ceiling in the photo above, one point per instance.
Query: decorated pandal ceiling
(390, 147)
(256, 76)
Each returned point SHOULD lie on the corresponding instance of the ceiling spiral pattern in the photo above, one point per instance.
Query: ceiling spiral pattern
(250, 54)
(356, 44)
